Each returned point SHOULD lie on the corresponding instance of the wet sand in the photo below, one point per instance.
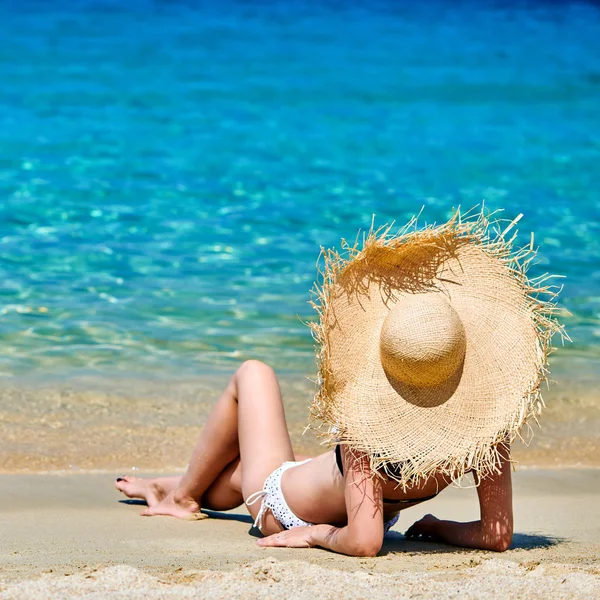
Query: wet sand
(75, 536)
(85, 423)
(88, 423)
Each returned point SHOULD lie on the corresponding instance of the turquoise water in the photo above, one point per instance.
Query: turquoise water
(168, 171)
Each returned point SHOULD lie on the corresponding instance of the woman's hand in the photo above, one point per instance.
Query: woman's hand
(494, 529)
(297, 537)
(424, 529)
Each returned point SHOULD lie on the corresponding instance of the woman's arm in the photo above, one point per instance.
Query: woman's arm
(363, 535)
(494, 529)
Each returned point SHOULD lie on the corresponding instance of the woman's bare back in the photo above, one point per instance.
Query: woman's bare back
(314, 491)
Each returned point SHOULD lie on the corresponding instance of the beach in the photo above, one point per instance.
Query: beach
(75, 536)
(169, 175)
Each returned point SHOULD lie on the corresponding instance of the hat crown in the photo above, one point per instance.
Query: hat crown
(422, 341)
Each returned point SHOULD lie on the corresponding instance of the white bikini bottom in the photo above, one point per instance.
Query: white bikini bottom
(273, 499)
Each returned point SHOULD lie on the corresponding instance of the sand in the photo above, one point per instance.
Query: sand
(74, 536)
(65, 531)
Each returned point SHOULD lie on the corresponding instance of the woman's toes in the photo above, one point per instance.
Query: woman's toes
(119, 483)
(128, 486)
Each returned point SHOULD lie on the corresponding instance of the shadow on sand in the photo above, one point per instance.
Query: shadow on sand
(396, 542)
(213, 514)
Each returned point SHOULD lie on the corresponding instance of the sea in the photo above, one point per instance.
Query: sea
(170, 170)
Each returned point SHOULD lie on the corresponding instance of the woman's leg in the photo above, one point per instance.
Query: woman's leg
(216, 447)
(223, 494)
(248, 421)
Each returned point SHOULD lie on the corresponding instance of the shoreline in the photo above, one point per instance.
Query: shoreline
(180, 470)
(76, 536)
(132, 425)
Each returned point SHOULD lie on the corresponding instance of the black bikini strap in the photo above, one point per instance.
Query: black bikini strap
(338, 459)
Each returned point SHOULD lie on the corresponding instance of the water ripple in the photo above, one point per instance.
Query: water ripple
(168, 172)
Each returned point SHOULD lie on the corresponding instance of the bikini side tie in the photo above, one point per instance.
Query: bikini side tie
(252, 499)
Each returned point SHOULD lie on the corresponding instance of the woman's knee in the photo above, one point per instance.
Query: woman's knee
(254, 368)
(257, 388)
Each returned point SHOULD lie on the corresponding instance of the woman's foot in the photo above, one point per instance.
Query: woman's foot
(152, 491)
(174, 505)
(160, 496)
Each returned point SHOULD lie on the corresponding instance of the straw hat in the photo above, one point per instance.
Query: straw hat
(432, 345)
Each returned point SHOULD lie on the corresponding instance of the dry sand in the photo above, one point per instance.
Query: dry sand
(70, 536)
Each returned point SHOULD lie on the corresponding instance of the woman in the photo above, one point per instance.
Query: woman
(246, 439)
(432, 348)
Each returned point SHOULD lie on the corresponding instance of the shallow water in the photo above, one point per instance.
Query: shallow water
(169, 171)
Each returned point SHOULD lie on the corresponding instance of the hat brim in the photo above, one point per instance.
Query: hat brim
(455, 426)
